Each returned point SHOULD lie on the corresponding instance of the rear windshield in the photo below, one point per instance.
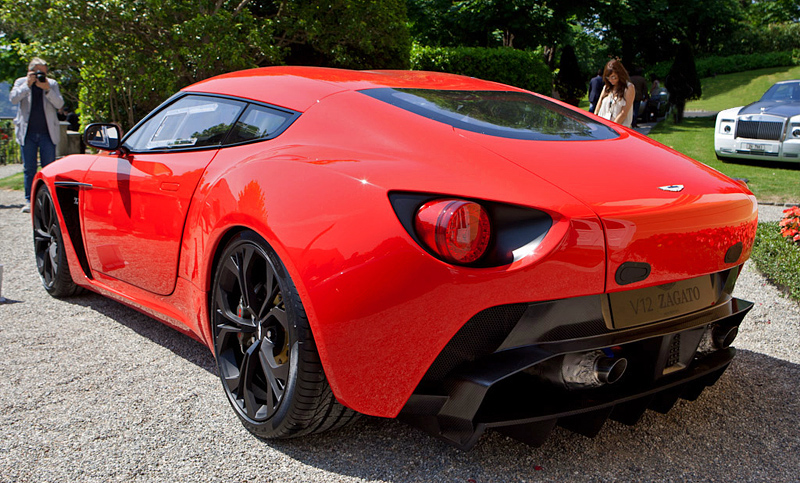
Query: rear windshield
(514, 115)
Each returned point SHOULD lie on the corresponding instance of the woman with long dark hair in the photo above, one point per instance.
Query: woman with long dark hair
(616, 100)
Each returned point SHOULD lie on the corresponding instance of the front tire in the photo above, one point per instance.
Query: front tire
(265, 352)
(48, 245)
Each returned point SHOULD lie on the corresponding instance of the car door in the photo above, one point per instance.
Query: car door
(134, 213)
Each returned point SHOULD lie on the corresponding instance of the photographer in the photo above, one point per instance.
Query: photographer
(36, 123)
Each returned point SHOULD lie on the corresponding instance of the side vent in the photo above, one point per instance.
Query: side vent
(69, 200)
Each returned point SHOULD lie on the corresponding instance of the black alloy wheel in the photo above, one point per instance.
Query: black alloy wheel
(48, 245)
(267, 360)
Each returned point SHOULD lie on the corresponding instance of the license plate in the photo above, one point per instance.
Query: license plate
(756, 147)
(642, 306)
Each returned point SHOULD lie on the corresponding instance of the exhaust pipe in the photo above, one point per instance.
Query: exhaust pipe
(723, 336)
(717, 337)
(581, 370)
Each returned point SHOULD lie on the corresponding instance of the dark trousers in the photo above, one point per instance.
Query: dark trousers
(36, 143)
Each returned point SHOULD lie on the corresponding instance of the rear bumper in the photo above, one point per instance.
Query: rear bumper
(487, 376)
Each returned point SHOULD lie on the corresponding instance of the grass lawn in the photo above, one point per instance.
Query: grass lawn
(778, 259)
(732, 90)
(770, 182)
(13, 182)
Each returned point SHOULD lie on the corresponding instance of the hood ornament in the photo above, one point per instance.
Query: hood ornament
(672, 187)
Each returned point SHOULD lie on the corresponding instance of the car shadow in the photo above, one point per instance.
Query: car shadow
(728, 425)
(179, 343)
(15, 206)
(764, 164)
(733, 426)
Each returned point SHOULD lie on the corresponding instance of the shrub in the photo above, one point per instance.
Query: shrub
(9, 149)
(520, 68)
(790, 224)
(711, 66)
(760, 39)
(778, 260)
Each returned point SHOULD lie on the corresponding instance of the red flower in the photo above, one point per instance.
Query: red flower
(790, 224)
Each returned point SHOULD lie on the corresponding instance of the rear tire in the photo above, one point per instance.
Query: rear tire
(266, 356)
(48, 245)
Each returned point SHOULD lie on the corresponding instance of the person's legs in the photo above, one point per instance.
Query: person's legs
(29, 164)
(47, 150)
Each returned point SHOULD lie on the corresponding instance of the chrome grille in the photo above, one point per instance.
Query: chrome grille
(759, 130)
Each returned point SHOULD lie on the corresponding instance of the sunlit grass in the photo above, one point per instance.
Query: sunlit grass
(13, 182)
(769, 181)
(733, 90)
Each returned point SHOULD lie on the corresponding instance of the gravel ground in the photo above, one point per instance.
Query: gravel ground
(93, 391)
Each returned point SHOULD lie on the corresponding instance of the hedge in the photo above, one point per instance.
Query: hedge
(777, 258)
(711, 66)
(519, 68)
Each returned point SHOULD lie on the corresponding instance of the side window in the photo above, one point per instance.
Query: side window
(191, 121)
(258, 122)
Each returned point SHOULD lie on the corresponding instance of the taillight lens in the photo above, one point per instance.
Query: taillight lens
(457, 230)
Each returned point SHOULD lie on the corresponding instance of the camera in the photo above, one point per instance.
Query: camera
(40, 76)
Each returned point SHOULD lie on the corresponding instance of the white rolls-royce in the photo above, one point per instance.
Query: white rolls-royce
(768, 129)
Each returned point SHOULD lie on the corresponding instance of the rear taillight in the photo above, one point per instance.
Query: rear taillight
(457, 230)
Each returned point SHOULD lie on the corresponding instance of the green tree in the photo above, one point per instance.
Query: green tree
(355, 34)
(682, 81)
(124, 57)
(12, 66)
(648, 31)
(570, 82)
(522, 24)
(766, 12)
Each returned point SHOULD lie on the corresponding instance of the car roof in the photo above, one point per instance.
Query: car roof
(298, 88)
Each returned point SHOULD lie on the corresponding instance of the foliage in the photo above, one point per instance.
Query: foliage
(644, 32)
(682, 81)
(524, 24)
(715, 65)
(123, 57)
(9, 149)
(749, 39)
(777, 260)
(12, 66)
(518, 68)
(769, 12)
(353, 34)
(641, 32)
(790, 224)
(570, 82)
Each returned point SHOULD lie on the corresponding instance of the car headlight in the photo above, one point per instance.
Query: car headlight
(726, 126)
(794, 131)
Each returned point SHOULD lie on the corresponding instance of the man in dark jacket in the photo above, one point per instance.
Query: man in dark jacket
(595, 88)
(640, 84)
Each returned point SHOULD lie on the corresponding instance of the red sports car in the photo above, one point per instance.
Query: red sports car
(459, 253)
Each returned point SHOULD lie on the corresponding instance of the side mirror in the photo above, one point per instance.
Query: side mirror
(102, 136)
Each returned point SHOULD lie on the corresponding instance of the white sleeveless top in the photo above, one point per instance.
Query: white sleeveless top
(611, 106)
